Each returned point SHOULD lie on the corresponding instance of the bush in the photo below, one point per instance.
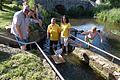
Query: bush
(31, 3)
(110, 16)
(115, 3)
(102, 7)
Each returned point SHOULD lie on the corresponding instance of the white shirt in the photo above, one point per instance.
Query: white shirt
(20, 19)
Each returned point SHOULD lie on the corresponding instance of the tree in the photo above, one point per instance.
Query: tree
(31, 3)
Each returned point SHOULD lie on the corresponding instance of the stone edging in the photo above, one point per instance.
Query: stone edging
(106, 68)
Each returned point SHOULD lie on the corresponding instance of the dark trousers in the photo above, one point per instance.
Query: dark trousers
(53, 45)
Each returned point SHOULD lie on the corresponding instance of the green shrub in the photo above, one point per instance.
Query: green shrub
(31, 3)
(115, 3)
(110, 16)
(102, 7)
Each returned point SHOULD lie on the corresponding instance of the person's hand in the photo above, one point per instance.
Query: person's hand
(30, 13)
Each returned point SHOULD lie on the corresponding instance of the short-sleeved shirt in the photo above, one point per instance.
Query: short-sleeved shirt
(23, 22)
(65, 29)
(54, 31)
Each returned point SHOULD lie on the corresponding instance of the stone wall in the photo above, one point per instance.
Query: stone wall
(50, 4)
(106, 68)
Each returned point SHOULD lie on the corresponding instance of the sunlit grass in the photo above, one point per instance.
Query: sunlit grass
(6, 15)
(5, 19)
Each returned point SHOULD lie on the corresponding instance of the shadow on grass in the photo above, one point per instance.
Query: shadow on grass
(4, 10)
(4, 56)
(6, 16)
(14, 8)
(8, 8)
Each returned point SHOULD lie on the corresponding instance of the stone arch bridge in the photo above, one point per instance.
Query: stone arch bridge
(66, 4)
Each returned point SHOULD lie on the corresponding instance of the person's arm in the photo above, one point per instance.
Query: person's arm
(19, 31)
(48, 33)
(27, 19)
(87, 32)
(40, 23)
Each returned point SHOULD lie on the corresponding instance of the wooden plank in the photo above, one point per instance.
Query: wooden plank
(58, 59)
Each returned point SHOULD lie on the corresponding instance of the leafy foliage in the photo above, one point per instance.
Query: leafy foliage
(110, 16)
(115, 3)
(31, 3)
(102, 7)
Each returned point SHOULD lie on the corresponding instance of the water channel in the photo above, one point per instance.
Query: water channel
(109, 30)
(73, 68)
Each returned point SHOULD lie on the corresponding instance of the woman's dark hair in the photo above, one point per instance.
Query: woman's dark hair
(67, 20)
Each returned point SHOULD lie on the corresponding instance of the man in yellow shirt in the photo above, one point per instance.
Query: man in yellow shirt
(65, 32)
(53, 32)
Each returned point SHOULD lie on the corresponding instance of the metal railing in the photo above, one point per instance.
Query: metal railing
(113, 57)
(45, 56)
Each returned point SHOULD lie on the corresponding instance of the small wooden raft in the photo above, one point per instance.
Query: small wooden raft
(58, 59)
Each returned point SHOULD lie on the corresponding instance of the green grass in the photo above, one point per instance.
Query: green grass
(6, 15)
(23, 66)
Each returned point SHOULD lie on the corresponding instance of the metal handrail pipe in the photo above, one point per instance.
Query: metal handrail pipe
(96, 48)
(51, 64)
(16, 40)
(48, 60)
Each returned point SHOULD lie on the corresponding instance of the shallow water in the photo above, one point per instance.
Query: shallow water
(110, 31)
(73, 68)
